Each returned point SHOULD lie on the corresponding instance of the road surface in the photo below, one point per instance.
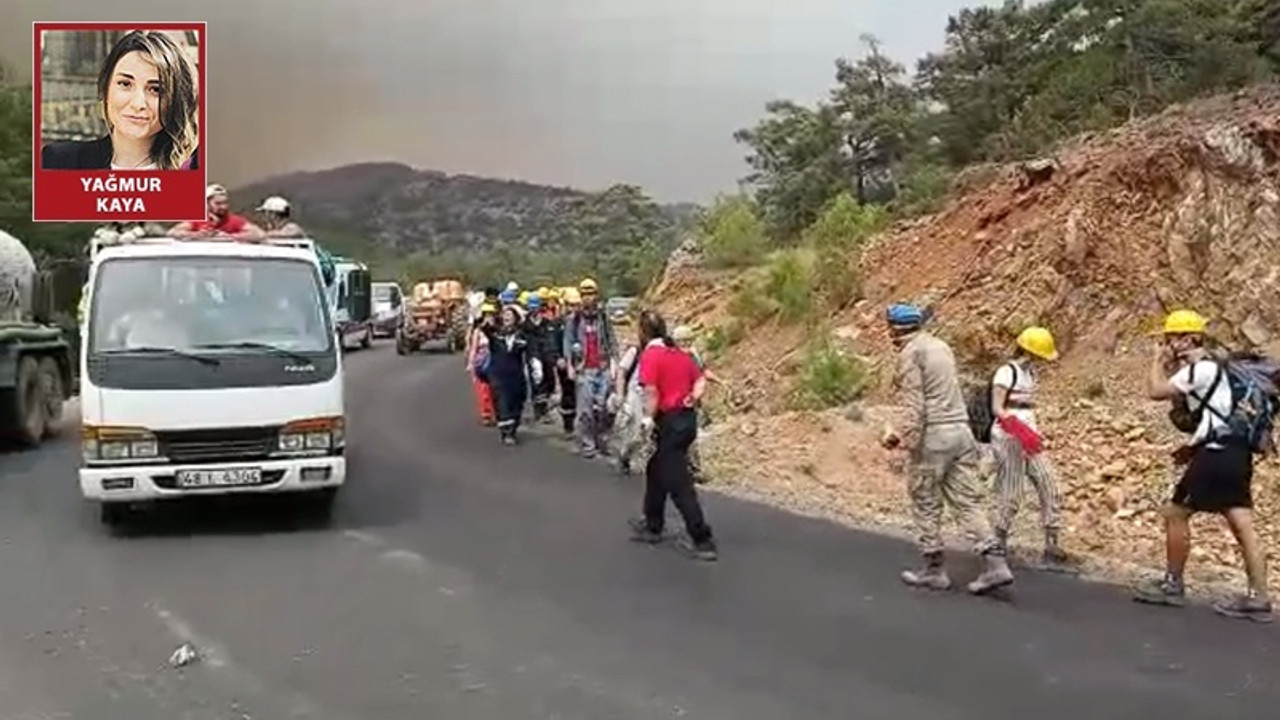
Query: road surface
(465, 580)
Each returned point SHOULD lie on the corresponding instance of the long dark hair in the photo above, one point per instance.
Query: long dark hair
(179, 95)
(653, 327)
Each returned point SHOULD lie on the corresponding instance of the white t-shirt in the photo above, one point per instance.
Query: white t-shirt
(1194, 381)
(1021, 386)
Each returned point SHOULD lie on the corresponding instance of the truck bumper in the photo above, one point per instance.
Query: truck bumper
(137, 483)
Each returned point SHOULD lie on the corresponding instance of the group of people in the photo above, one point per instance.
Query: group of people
(637, 400)
(1225, 403)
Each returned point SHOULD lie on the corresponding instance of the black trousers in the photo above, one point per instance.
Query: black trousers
(509, 397)
(668, 475)
(568, 399)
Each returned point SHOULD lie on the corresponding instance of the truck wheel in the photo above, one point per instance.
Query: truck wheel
(24, 414)
(319, 505)
(401, 349)
(368, 338)
(54, 395)
(114, 515)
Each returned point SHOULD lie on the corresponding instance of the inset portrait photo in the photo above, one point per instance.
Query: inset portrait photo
(119, 122)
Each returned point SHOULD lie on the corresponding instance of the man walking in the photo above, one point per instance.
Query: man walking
(943, 454)
(589, 350)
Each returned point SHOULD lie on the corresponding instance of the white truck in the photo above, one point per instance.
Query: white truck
(208, 368)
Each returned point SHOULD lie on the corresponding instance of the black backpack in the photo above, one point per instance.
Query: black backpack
(977, 400)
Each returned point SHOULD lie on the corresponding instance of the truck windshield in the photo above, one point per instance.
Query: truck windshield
(209, 305)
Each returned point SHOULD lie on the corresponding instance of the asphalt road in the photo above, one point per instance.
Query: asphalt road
(465, 580)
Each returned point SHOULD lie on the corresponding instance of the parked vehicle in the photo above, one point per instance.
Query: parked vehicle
(437, 312)
(209, 368)
(388, 301)
(35, 358)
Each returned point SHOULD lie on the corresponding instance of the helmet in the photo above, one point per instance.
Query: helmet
(588, 286)
(1184, 322)
(488, 309)
(507, 297)
(572, 297)
(274, 204)
(214, 189)
(513, 286)
(533, 302)
(1039, 342)
(542, 291)
(552, 294)
(523, 299)
(904, 315)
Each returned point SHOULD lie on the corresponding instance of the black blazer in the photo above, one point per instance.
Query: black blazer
(87, 155)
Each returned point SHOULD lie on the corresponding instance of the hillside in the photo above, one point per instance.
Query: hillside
(1097, 242)
(410, 210)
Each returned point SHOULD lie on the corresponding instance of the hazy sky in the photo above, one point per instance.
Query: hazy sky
(572, 92)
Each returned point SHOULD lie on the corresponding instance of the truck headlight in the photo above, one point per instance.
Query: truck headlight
(118, 444)
(313, 436)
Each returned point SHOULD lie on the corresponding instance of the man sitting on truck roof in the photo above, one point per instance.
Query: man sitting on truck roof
(221, 223)
(277, 217)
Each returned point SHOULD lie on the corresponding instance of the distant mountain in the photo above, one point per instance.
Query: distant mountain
(407, 210)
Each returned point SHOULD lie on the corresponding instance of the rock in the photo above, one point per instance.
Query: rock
(1255, 331)
(854, 412)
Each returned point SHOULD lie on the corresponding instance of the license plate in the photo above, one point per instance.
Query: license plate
(219, 478)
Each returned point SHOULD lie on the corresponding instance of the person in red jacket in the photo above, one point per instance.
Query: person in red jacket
(673, 385)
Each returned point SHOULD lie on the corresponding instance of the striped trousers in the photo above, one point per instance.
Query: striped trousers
(1013, 470)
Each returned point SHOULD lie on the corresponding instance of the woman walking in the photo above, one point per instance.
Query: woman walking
(673, 386)
(510, 369)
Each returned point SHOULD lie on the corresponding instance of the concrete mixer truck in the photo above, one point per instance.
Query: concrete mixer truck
(35, 359)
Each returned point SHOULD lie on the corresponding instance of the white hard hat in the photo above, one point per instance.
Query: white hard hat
(275, 204)
(214, 189)
(512, 286)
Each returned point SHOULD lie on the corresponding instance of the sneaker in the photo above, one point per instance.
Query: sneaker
(508, 440)
(642, 533)
(1161, 591)
(705, 551)
(1246, 607)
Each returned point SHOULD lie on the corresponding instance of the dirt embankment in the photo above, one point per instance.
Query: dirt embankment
(1097, 242)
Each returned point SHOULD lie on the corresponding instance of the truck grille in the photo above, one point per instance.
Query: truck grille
(217, 444)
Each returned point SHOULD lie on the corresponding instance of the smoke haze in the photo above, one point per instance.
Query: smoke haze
(567, 92)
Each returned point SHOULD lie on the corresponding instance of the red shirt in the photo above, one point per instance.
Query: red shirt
(671, 372)
(590, 344)
(230, 223)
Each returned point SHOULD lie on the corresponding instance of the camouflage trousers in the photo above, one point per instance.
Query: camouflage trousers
(944, 472)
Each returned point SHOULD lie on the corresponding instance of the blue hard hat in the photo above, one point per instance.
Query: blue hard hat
(507, 297)
(534, 302)
(904, 315)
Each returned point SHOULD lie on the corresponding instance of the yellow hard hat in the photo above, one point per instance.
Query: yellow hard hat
(588, 286)
(551, 294)
(1184, 322)
(524, 297)
(1039, 342)
(572, 296)
(488, 309)
(543, 291)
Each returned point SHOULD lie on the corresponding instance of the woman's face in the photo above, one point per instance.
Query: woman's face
(508, 318)
(133, 97)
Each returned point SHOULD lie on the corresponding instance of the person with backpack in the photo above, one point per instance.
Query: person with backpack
(589, 351)
(1226, 406)
(1018, 447)
(944, 455)
(631, 441)
(478, 364)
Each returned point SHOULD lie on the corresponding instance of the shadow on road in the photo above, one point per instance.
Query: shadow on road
(266, 515)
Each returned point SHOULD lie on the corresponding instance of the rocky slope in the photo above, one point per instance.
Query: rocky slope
(406, 209)
(1178, 210)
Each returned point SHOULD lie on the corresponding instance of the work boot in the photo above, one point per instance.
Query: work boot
(1054, 557)
(933, 576)
(995, 574)
(1002, 540)
(705, 551)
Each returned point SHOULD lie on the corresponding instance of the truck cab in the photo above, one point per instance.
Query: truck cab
(208, 368)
